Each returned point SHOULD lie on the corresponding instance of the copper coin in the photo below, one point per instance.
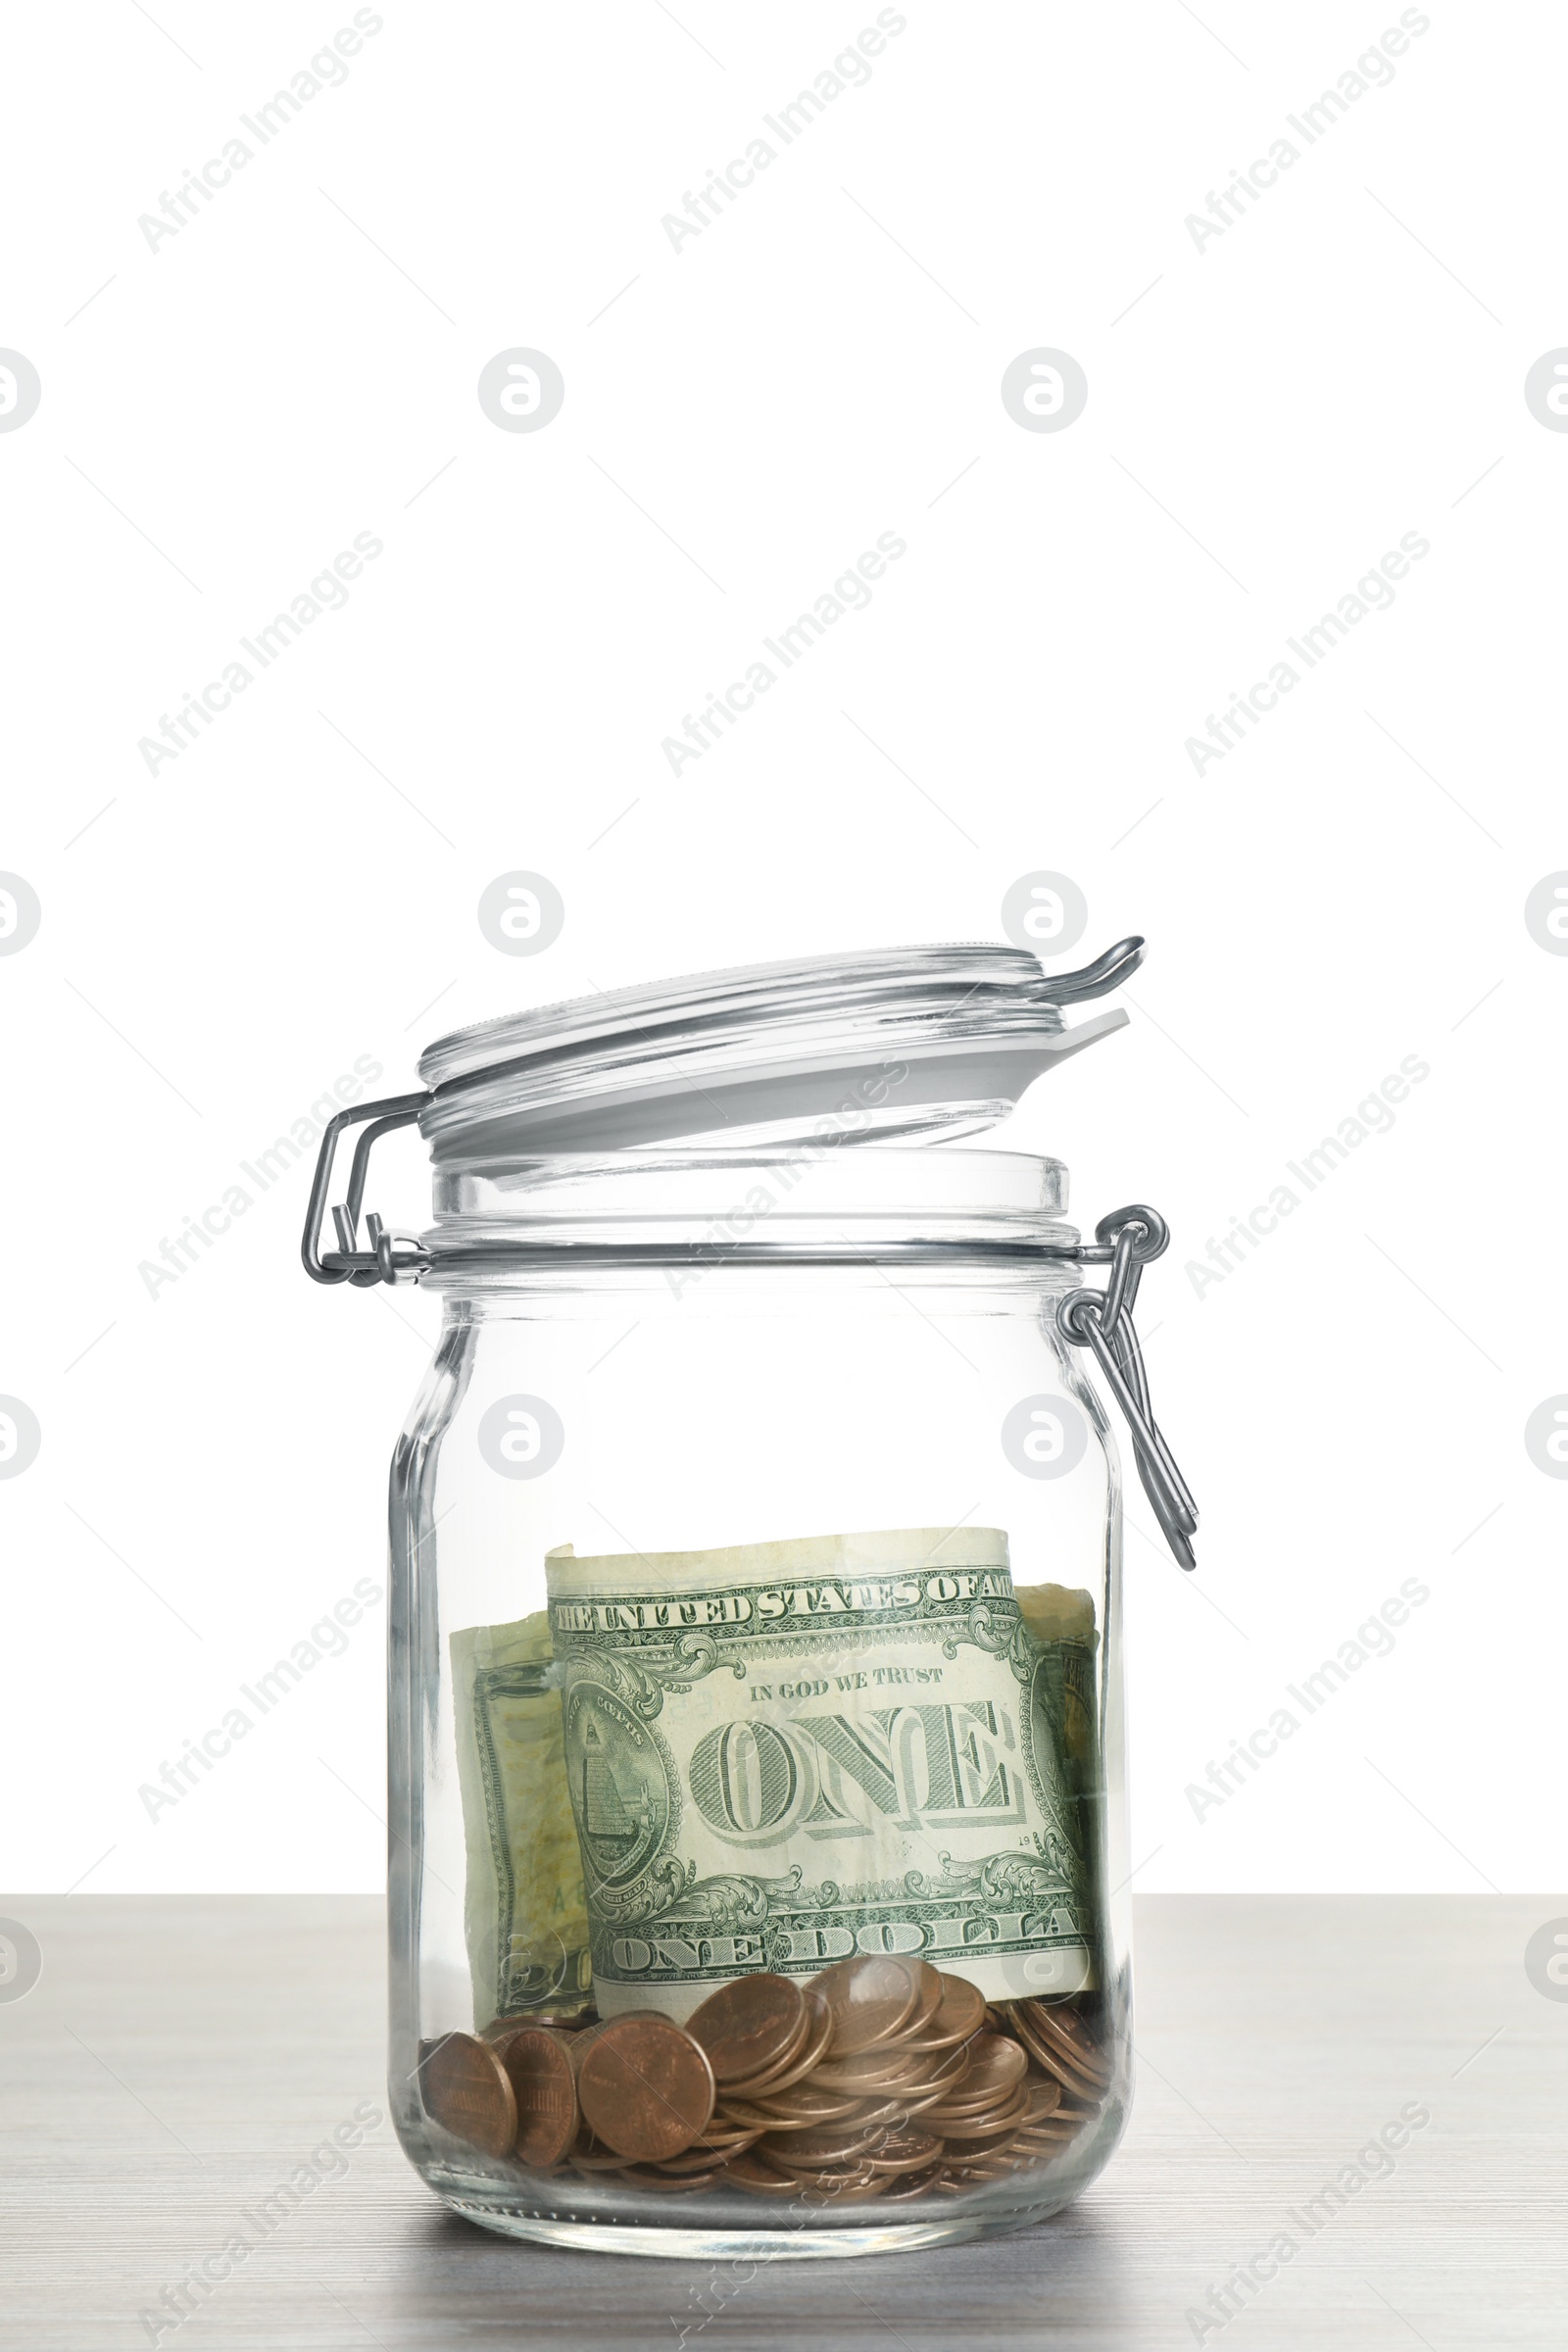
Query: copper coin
(1041, 2032)
(905, 2191)
(928, 2000)
(1044, 2099)
(645, 2088)
(960, 2012)
(1049, 2056)
(884, 2062)
(796, 2061)
(703, 2160)
(822, 2143)
(904, 2152)
(1048, 2025)
(749, 2025)
(844, 2184)
(803, 2058)
(538, 2064)
(501, 2029)
(979, 2140)
(749, 2172)
(1066, 2021)
(808, 2103)
(870, 1997)
(995, 2062)
(674, 2184)
(465, 2088)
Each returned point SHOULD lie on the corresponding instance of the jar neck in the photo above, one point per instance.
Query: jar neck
(838, 1205)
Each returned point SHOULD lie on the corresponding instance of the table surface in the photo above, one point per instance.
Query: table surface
(181, 2055)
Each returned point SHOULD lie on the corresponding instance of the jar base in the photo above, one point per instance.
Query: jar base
(734, 2245)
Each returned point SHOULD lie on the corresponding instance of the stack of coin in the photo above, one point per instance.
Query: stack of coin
(878, 2080)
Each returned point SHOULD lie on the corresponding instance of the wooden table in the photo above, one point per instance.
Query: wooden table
(180, 2055)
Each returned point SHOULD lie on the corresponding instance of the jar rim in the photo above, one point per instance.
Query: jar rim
(822, 1204)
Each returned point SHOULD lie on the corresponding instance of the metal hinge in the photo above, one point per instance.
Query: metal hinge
(391, 1256)
(1103, 1321)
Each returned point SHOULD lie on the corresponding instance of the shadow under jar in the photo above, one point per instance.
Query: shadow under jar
(757, 1807)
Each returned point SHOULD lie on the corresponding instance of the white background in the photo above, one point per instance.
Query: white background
(1266, 417)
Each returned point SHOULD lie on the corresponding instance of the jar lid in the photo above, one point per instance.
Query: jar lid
(876, 1046)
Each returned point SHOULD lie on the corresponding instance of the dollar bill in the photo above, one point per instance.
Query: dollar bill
(525, 1913)
(781, 1755)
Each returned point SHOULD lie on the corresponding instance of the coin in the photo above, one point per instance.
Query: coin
(866, 2073)
(807, 2103)
(870, 1997)
(751, 2172)
(645, 2088)
(822, 2143)
(749, 2026)
(1071, 2043)
(699, 2159)
(906, 2188)
(995, 2062)
(501, 2029)
(802, 2059)
(1049, 2055)
(645, 2177)
(958, 2015)
(928, 2000)
(982, 2140)
(538, 2064)
(904, 2152)
(465, 2088)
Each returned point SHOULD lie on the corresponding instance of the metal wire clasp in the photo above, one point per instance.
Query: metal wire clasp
(1103, 1321)
(391, 1256)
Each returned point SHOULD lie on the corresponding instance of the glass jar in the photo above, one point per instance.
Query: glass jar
(758, 1860)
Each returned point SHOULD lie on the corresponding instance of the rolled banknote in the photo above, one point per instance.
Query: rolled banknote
(780, 1754)
(524, 1915)
(1061, 1623)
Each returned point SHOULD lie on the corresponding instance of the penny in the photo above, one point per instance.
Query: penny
(847, 2186)
(645, 2177)
(985, 2123)
(801, 2060)
(1055, 2018)
(538, 2065)
(886, 2062)
(807, 2103)
(903, 2191)
(593, 2158)
(928, 2000)
(465, 2088)
(904, 2152)
(1087, 2064)
(701, 2160)
(1044, 2099)
(978, 2139)
(749, 2172)
(810, 2114)
(996, 2062)
(870, 1997)
(959, 2014)
(749, 2026)
(645, 2088)
(501, 2029)
(823, 2143)
(1054, 2047)
(1047, 2055)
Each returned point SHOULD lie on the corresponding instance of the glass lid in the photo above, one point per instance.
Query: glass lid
(881, 1044)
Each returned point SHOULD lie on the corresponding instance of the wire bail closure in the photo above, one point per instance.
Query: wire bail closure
(1099, 1320)
(391, 1256)
(1103, 1321)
